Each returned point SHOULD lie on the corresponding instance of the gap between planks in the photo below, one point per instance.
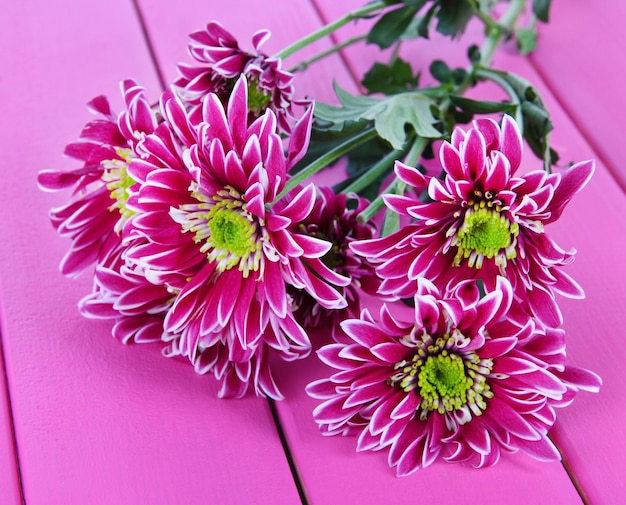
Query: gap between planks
(333, 36)
(572, 476)
(9, 405)
(288, 454)
(149, 45)
(613, 172)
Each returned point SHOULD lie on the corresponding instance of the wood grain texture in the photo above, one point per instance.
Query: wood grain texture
(581, 58)
(98, 422)
(9, 478)
(101, 423)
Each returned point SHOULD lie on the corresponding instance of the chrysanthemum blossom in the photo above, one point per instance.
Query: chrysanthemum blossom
(122, 293)
(335, 218)
(96, 214)
(221, 62)
(481, 221)
(460, 383)
(215, 233)
(215, 355)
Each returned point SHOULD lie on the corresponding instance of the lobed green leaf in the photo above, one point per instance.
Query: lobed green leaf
(390, 114)
(390, 79)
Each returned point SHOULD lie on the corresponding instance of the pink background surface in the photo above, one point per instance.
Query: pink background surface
(101, 423)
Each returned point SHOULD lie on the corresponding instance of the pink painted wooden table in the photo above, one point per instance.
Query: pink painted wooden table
(86, 420)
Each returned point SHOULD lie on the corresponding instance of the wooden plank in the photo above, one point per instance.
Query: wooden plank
(98, 422)
(9, 478)
(580, 57)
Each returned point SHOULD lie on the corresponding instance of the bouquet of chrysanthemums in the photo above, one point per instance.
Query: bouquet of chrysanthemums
(427, 266)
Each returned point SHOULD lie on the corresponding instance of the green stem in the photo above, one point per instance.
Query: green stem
(329, 28)
(391, 222)
(495, 32)
(372, 209)
(495, 77)
(416, 151)
(303, 65)
(396, 186)
(373, 173)
(487, 20)
(327, 159)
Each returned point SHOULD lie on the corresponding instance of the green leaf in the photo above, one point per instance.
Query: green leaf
(473, 53)
(390, 79)
(453, 17)
(441, 71)
(413, 30)
(458, 76)
(482, 106)
(335, 118)
(541, 9)
(397, 111)
(526, 40)
(535, 116)
(390, 114)
(390, 27)
(422, 27)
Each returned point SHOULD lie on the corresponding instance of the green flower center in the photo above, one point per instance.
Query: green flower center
(231, 232)
(445, 378)
(258, 99)
(442, 378)
(485, 233)
(229, 235)
(119, 182)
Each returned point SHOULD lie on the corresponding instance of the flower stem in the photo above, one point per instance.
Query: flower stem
(396, 186)
(373, 173)
(416, 151)
(496, 78)
(327, 159)
(330, 28)
(496, 32)
(303, 65)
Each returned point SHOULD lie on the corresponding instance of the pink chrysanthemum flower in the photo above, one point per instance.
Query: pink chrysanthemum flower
(461, 383)
(216, 235)
(251, 370)
(123, 294)
(482, 222)
(95, 216)
(222, 62)
(334, 220)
